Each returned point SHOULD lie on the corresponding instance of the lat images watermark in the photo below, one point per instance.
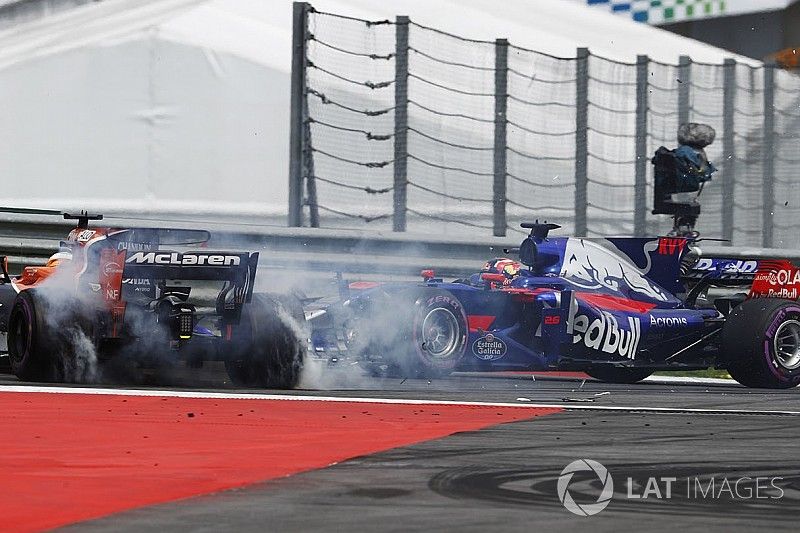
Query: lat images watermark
(585, 465)
(586, 487)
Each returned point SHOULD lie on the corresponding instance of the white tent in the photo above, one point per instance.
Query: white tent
(183, 105)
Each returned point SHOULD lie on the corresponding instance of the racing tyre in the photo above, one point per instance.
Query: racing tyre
(31, 342)
(420, 333)
(49, 344)
(438, 334)
(761, 343)
(612, 374)
(268, 346)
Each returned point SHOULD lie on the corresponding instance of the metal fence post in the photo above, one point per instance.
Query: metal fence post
(768, 153)
(298, 96)
(308, 171)
(500, 137)
(400, 123)
(581, 140)
(728, 149)
(684, 84)
(640, 169)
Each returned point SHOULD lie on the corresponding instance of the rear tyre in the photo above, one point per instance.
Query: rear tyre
(761, 342)
(268, 346)
(31, 342)
(50, 344)
(612, 374)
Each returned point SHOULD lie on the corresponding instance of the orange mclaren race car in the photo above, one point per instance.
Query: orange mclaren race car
(148, 297)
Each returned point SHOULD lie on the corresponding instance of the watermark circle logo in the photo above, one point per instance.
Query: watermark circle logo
(564, 480)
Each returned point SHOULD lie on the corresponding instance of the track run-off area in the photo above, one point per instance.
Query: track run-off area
(467, 452)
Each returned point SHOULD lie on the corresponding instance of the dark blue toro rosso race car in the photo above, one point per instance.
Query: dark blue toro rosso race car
(617, 308)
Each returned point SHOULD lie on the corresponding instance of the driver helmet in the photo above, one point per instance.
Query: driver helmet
(59, 257)
(503, 265)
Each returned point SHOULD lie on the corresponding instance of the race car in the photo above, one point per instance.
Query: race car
(618, 309)
(146, 297)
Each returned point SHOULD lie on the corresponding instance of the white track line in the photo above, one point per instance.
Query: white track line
(686, 380)
(401, 401)
(659, 380)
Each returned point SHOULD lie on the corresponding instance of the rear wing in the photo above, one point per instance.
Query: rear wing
(765, 278)
(777, 278)
(723, 271)
(148, 267)
(237, 268)
(166, 264)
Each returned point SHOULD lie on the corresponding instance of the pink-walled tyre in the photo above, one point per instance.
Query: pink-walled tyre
(31, 341)
(761, 342)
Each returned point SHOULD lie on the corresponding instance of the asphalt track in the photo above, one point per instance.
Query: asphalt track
(502, 476)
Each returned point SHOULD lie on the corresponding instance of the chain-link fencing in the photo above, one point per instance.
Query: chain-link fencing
(401, 126)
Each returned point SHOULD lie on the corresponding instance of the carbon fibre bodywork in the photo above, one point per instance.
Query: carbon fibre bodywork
(108, 291)
(577, 303)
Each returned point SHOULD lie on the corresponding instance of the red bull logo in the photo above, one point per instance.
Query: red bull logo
(604, 333)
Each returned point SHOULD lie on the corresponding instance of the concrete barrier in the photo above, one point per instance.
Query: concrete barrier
(29, 240)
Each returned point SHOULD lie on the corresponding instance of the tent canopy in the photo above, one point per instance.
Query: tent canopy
(183, 105)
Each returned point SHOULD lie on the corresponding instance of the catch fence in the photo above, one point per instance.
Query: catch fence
(397, 125)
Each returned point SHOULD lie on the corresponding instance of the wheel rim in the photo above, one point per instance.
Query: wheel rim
(787, 345)
(440, 333)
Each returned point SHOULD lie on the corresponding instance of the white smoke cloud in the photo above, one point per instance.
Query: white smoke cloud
(69, 313)
(66, 315)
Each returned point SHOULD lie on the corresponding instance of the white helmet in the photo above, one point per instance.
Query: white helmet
(58, 257)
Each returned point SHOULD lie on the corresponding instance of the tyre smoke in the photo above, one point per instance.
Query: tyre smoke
(82, 366)
(69, 326)
(81, 358)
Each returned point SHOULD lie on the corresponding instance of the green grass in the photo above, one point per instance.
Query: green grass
(708, 373)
